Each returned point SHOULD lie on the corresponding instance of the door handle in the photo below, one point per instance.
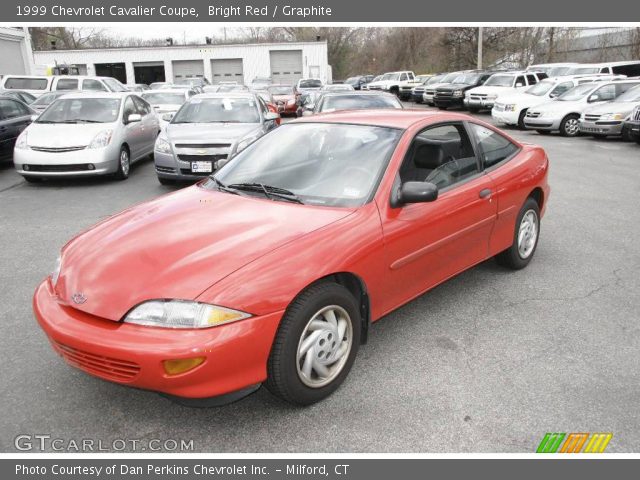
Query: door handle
(485, 193)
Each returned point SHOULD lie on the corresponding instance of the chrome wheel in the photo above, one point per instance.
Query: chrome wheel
(527, 234)
(571, 126)
(124, 162)
(324, 346)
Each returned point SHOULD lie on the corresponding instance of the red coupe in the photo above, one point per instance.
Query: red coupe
(272, 270)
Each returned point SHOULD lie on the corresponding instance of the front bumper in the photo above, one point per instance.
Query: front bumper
(542, 123)
(448, 101)
(613, 128)
(427, 98)
(417, 96)
(405, 94)
(505, 117)
(479, 103)
(236, 354)
(287, 109)
(66, 164)
(169, 167)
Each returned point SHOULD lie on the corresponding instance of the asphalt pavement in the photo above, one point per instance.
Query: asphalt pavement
(487, 362)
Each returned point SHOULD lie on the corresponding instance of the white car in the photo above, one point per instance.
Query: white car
(166, 102)
(483, 97)
(563, 113)
(390, 82)
(405, 88)
(510, 108)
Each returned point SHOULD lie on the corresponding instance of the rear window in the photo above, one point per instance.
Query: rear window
(21, 83)
(358, 102)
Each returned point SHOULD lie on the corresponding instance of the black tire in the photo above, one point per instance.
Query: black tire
(566, 126)
(543, 132)
(474, 109)
(123, 172)
(31, 179)
(626, 135)
(521, 124)
(283, 379)
(511, 257)
(166, 181)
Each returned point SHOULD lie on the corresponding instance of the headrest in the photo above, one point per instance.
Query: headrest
(429, 156)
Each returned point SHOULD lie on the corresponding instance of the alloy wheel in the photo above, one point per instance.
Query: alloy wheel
(527, 234)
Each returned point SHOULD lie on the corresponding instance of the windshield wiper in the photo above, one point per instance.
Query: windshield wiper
(79, 120)
(222, 187)
(269, 191)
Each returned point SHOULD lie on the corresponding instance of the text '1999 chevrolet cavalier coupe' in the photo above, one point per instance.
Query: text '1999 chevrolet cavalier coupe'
(272, 270)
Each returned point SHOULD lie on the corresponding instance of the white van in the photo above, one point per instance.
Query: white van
(39, 84)
(630, 68)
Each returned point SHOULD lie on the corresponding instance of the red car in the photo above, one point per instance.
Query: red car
(285, 98)
(272, 270)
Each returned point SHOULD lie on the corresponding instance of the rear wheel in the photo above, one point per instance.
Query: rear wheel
(124, 164)
(525, 237)
(315, 346)
(570, 126)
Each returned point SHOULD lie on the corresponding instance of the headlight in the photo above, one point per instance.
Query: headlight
(21, 142)
(612, 116)
(102, 139)
(182, 314)
(162, 145)
(56, 271)
(510, 107)
(458, 93)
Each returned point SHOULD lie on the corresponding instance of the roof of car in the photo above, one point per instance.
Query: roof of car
(383, 118)
(181, 91)
(88, 94)
(233, 93)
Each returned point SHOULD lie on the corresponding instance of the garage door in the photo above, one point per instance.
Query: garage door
(286, 66)
(11, 61)
(187, 68)
(227, 70)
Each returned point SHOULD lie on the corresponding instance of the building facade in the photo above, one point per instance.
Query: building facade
(283, 62)
(15, 51)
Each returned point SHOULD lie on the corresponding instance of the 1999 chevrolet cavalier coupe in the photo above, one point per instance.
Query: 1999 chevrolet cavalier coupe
(273, 269)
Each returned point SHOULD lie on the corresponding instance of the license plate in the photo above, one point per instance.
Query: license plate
(201, 167)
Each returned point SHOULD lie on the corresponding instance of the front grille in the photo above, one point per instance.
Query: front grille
(592, 117)
(99, 365)
(478, 96)
(165, 169)
(405, 89)
(375, 87)
(533, 114)
(79, 167)
(636, 114)
(202, 145)
(429, 92)
(57, 149)
(201, 158)
(443, 93)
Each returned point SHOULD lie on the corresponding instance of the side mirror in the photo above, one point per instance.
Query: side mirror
(271, 116)
(417, 192)
(167, 117)
(134, 117)
(593, 98)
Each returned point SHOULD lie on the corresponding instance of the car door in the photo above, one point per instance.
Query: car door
(426, 243)
(150, 124)
(16, 116)
(133, 131)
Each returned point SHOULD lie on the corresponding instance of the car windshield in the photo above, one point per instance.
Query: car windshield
(352, 80)
(576, 93)
(450, 77)
(540, 88)
(421, 78)
(468, 79)
(436, 79)
(390, 76)
(48, 98)
(631, 95)
(331, 103)
(500, 81)
(320, 163)
(81, 110)
(188, 81)
(114, 85)
(310, 83)
(558, 71)
(281, 90)
(164, 98)
(582, 70)
(215, 110)
(231, 88)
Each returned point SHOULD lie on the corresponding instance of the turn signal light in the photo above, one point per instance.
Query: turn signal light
(181, 365)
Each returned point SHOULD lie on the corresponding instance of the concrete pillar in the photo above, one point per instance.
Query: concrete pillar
(168, 71)
(131, 74)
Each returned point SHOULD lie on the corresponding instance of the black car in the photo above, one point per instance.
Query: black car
(15, 116)
(357, 81)
(452, 95)
(632, 126)
(21, 95)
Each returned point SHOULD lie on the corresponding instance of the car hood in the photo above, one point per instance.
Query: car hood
(62, 135)
(433, 86)
(177, 246)
(491, 90)
(624, 108)
(521, 99)
(211, 132)
(166, 107)
(455, 86)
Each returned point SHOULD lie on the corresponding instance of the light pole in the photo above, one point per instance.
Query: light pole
(479, 48)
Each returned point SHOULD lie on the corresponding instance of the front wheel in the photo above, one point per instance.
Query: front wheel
(525, 238)
(570, 126)
(315, 346)
(124, 164)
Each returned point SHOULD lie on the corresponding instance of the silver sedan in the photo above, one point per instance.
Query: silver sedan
(87, 134)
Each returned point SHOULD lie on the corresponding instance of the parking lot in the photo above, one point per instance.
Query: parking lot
(487, 362)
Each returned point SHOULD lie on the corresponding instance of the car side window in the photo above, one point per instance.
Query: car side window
(129, 108)
(532, 79)
(623, 87)
(93, 85)
(142, 106)
(560, 89)
(67, 84)
(403, 77)
(442, 155)
(494, 148)
(606, 93)
(520, 81)
(11, 109)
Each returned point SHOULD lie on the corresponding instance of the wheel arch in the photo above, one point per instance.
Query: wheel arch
(538, 195)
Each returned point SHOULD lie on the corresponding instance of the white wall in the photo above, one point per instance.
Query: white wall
(24, 62)
(255, 57)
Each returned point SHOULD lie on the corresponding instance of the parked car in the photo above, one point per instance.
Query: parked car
(206, 131)
(307, 102)
(261, 83)
(166, 101)
(390, 82)
(24, 97)
(157, 85)
(562, 114)
(608, 118)
(365, 86)
(430, 89)
(192, 81)
(510, 108)
(452, 94)
(633, 125)
(483, 98)
(272, 270)
(404, 88)
(138, 87)
(338, 87)
(417, 92)
(15, 116)
(232, 88)
(557, 69)
(306, 85)
(284, 97)
(83, 134)
(630, 68)
(269, 102)
(335, 101)
(358, 81)
(40, 84)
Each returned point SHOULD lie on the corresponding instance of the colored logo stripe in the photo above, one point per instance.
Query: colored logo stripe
(598, 442)
(550, 443)
(574, 443)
